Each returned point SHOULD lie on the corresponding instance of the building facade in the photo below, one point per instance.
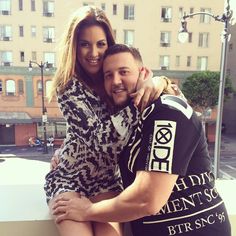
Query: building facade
(229, 112)
(30, 30)
(21, 107)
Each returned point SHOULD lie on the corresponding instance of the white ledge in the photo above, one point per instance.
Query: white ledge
(24, 211)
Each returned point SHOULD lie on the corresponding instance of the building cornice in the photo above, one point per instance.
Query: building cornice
(17, 70)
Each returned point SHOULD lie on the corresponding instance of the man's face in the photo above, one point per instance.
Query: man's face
(121, 73)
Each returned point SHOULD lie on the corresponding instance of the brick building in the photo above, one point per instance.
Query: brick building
(152, 26)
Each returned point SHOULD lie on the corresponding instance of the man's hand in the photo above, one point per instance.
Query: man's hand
(70, 208)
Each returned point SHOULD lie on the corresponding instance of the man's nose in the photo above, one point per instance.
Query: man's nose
(116, 79)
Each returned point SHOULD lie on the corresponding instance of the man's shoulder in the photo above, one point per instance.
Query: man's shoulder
(168, 104)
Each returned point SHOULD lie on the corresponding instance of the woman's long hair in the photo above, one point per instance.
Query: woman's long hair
(68, 65)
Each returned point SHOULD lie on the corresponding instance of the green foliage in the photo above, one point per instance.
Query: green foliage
(202, 89)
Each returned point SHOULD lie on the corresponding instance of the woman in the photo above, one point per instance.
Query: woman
(88, 163)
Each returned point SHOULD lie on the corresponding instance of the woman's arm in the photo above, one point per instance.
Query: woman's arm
(89, 120)
(149, 88)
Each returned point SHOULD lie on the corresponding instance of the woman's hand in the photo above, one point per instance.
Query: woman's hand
(148, 88)
(55, 159)
(177, 91)
(70, 208)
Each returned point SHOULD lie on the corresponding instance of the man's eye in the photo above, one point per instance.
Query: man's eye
(108, 76)
(124, 72)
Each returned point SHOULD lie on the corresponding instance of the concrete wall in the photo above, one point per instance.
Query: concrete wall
(24, 211)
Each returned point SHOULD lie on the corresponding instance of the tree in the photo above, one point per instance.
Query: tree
(202, 90)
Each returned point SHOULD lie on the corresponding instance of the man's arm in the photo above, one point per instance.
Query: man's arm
(146, 196)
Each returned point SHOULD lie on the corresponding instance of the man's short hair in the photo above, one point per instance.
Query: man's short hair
(119, 48)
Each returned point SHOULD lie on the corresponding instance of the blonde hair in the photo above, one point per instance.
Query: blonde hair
(68, 66)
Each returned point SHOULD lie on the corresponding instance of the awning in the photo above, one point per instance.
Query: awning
(7, 117)
(49, 119)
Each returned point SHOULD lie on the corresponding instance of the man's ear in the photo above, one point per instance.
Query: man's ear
(141, 68)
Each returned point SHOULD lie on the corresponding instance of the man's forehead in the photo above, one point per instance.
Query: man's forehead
(121, 60)
(120, 54)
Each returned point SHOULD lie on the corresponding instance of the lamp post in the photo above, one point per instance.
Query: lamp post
(42, 65)
(183, 35)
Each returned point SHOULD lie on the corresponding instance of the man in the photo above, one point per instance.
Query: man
(166, 168)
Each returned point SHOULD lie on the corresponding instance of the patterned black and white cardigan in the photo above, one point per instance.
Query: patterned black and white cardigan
(90, 123)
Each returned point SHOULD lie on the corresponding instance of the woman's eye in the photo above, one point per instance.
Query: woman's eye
(102, 44)
(83, 44)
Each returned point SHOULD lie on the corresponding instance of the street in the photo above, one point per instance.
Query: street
(227, 160)
(227, 157)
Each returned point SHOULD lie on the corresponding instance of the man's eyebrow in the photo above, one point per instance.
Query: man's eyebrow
(106, 72)
(120, 68)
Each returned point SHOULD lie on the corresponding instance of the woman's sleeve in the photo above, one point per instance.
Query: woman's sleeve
(103, 130)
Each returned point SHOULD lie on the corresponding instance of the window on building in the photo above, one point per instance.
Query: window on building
(39, 87)
(164, 62)
(191, 11)
(114, 9)
(205, 18)
(48, 85)
(166, 14)
(21, 31)
(129, 12)
(0, 86)
(129, 37)
(6, 58)
(103, 6)
(203, 40)
(189, 59)
(5, 7)
(190, 37)
(20, 86)
(5, 32)
(20, 5)
(88, 3)
(33, 31)
(177, 61)
(34, 56)
(48, 8)
(50, 58)
(181, 12)
(114, 33)
(202, 63)
(60, 130)
(22, 56)
(10, 87)
(48, 34)
(165, 39)
(33, 8)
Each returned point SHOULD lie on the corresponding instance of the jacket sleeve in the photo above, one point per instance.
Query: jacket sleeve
(89, 121)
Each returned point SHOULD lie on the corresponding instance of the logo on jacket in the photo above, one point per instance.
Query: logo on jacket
(161, 155)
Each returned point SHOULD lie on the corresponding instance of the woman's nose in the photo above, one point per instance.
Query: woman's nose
(94, 51)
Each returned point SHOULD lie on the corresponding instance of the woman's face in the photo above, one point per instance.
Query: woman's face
(92, 43)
